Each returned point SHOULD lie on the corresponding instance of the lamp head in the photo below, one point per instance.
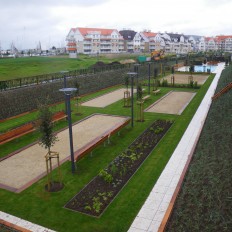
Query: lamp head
(68, 91)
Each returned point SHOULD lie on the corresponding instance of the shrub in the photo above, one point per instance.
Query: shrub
(106, 176)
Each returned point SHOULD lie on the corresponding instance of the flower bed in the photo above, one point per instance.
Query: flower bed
(98, 194)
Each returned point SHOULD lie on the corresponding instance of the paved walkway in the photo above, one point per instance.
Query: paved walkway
(152, 212)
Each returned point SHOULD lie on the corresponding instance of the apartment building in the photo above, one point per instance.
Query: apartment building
(224, 43)
(98, 41)
(94, 41)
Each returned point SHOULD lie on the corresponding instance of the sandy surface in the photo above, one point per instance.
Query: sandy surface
(184, 79)
(172, 103)
(106, 99)
(28, 164)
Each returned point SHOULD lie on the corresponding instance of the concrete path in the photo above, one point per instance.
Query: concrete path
(152, 212)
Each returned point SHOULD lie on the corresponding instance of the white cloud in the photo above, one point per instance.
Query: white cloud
(27, 22)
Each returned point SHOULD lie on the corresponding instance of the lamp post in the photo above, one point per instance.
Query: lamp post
(136, 69)
(64, 73)
(149, 76)
(132, 74)
(68, 92)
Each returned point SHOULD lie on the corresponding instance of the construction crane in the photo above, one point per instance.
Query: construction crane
(157, 55)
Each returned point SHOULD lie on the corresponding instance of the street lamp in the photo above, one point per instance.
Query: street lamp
(149, 76)
(68, 92)
(132, 74)
(64, 73)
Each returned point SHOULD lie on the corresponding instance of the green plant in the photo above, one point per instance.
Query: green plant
(106, 176)
(48, 138)
(87, 207)
(191, 84)
(97, 204)
(195, 86)
(113, 169)
(158, 130)
(164, 83)
(139, 92)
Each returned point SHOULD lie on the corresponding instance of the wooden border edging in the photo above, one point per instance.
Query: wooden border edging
(13, 226)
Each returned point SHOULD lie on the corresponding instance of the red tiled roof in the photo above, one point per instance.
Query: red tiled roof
(71, 49)
(222, 37)
(84, 31)
(150, 34)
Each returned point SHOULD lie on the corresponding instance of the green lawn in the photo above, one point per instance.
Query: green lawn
(36, 205)
(32, 66)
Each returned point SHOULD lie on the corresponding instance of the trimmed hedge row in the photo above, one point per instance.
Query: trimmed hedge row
(20, 100)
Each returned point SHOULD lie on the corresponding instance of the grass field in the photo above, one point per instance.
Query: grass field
(47, 209)
(32, 66)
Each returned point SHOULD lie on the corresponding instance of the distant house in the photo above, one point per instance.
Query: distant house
(128, 39)
(94, 41)
(224, 43)
(176, 43)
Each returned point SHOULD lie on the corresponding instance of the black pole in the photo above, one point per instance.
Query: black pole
(132, 100)
(70, 132)
(149, 77)
(65, 86)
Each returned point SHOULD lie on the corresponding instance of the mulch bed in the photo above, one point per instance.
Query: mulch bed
(5, 228)
(94, 198)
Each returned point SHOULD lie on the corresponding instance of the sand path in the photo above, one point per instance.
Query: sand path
(106, 99)
(172, 103)
(184, 79)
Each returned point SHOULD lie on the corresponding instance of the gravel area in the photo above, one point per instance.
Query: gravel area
(172, 103)
(106, 99)
(184, 79)
(23, 167)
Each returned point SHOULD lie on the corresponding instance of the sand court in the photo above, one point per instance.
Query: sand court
(106, 99)
(27, 166)
(172, 103)
(184, 78)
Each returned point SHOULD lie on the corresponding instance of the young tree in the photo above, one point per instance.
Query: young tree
(47, 140)
(140, 92)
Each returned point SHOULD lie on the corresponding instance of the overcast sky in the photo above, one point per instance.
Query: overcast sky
(26, 22)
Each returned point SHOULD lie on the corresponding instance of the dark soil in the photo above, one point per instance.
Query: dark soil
(98, 194)
(54, 187)
(4, 228)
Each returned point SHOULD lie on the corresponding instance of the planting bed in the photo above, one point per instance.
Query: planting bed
(98, 194)
(205, 200)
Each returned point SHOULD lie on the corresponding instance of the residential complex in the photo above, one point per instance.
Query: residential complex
(97, 41)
